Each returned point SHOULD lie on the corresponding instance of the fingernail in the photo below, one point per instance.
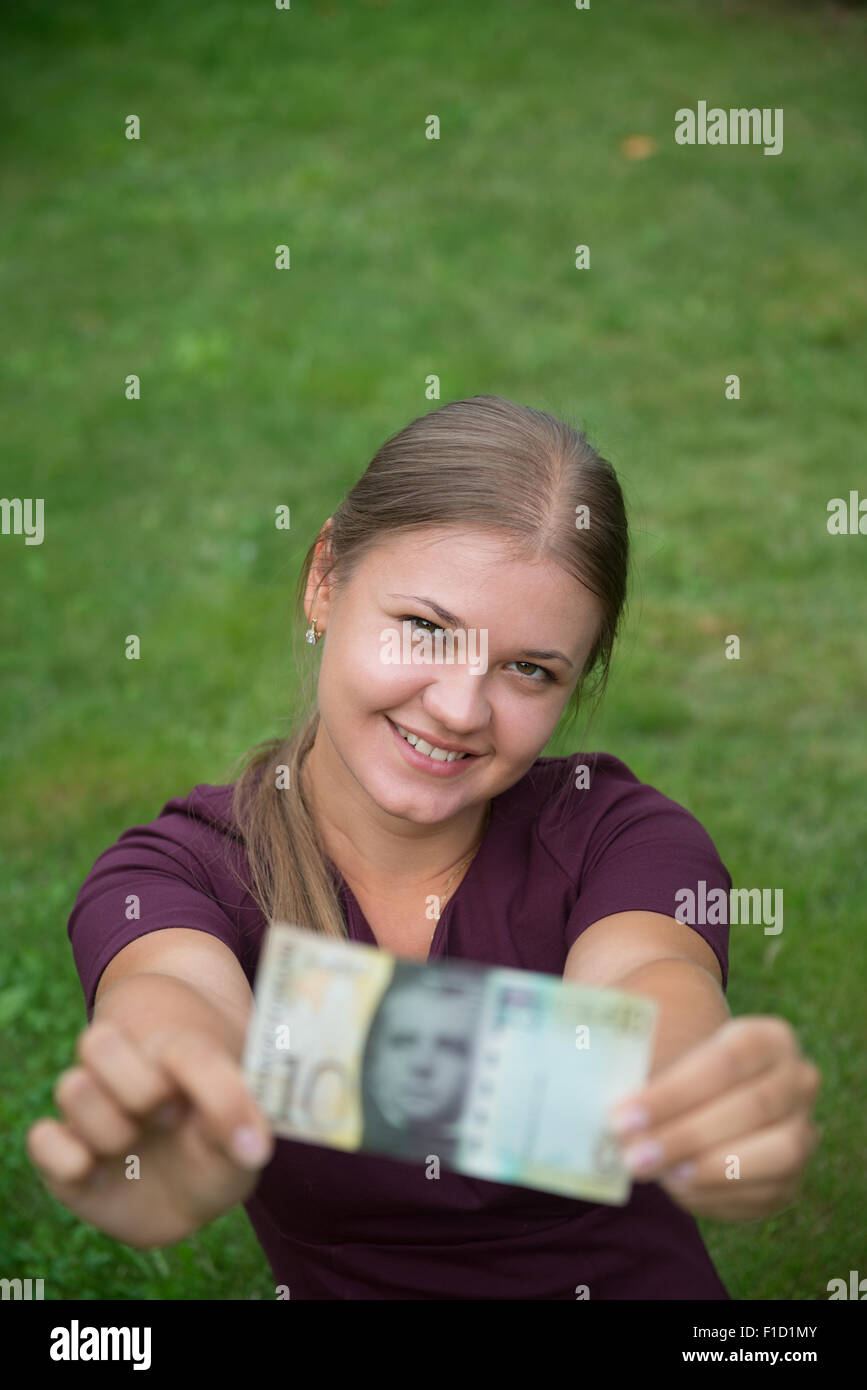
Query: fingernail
(638, 1157)
(249, 1145)
(632, 1118)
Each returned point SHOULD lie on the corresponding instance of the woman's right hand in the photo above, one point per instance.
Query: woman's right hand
(188, 1170)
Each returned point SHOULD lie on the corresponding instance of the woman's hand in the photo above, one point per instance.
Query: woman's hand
(737, 1109)
(147, 1147)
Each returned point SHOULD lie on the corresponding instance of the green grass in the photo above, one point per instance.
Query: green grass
(258, 388)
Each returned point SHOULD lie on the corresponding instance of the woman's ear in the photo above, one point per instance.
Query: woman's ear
(317, 593)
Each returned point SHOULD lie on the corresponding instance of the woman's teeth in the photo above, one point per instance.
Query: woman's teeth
(439, 755)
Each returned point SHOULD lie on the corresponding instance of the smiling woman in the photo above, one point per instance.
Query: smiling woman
(469, 513)
(363, 824)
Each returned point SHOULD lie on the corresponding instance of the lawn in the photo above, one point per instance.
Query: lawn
(261, 387)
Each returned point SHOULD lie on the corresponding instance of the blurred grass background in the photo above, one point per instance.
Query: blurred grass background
(412, 257)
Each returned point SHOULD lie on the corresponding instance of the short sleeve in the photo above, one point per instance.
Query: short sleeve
(155, 876)
(644, 853)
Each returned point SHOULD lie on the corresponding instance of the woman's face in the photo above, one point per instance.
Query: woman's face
(491, 697)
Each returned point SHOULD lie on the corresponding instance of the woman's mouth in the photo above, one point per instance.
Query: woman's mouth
(422, 754)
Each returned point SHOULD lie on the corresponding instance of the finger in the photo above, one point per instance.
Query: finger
(741, 1048)
(230, 1118)
(774, 1155)
(57, 1154)
(757, 1105)
(92, 1114)
(136, 1083)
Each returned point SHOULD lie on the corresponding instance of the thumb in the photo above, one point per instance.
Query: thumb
(212, 1080)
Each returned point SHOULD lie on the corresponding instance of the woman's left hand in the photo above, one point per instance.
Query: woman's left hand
(737, 1108)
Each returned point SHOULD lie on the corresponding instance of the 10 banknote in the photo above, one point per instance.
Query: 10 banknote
(503, 1074)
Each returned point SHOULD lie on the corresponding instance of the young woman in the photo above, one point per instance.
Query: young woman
(500, 522)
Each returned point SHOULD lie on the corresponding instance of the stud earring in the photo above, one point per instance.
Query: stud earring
(311, 635)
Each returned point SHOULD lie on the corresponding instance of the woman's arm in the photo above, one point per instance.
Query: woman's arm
(648, 953)
(691, 1003)
(195, 958)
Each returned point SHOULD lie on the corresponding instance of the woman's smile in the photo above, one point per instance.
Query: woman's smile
(436, 767)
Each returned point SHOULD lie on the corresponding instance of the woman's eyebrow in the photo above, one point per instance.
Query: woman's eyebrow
(448, 617)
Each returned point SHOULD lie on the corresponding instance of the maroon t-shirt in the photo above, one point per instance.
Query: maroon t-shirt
(361, 1226)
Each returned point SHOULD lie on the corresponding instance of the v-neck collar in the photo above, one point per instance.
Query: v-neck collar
(360, 929)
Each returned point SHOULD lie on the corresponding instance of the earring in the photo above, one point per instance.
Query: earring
(311, 635)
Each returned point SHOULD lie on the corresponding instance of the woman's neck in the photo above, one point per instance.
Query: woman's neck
(397, 859)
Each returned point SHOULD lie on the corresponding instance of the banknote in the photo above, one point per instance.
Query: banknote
(498, 1073)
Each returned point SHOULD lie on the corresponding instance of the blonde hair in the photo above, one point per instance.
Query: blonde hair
(484, 463)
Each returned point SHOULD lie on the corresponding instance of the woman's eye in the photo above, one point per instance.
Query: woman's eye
(423, 620)
(536, 680)
(547, 675)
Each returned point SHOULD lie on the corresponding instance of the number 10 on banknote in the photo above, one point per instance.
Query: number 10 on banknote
(499, 1073)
